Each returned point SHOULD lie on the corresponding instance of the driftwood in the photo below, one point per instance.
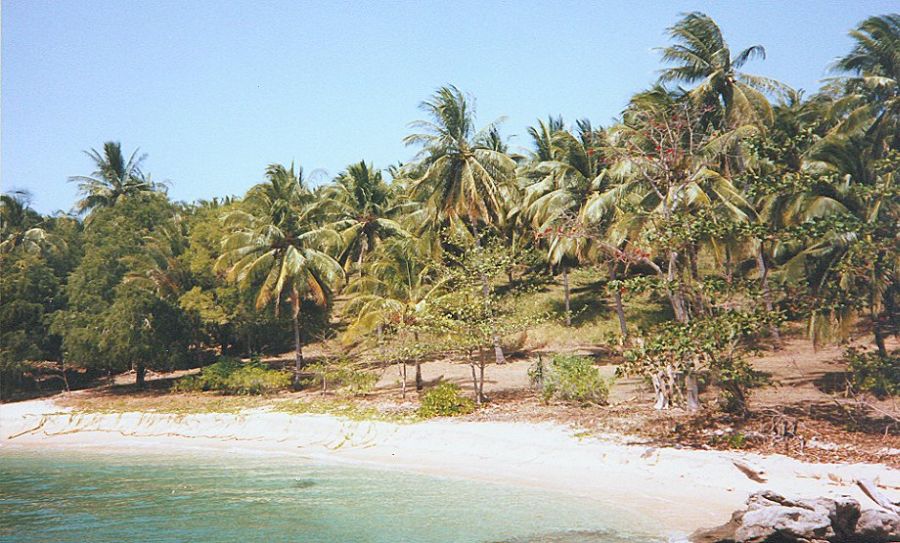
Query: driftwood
(754, 473)
(870, 490)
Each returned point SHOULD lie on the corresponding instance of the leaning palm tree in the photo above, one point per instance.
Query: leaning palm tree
(542, 138)
(277, 249)
(360, 206)
(115, 178)
(466, 178)
(701, 57)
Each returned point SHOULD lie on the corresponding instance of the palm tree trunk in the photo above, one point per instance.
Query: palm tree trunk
(419, 383)
(565, 274)
(617, 296)
(362, 253)
(764, 286)
(298, 344)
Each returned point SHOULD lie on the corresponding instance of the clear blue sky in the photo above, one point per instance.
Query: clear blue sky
(213, 91)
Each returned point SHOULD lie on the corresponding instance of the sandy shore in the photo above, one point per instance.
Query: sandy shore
(682, 489)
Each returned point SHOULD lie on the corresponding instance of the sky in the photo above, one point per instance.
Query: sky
(213, 91)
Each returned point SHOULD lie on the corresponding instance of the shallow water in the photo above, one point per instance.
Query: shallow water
(75, 496)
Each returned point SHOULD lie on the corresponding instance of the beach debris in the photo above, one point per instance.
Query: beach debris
(871, 490)
(755, 473)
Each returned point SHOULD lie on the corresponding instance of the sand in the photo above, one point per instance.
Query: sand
(681, 489)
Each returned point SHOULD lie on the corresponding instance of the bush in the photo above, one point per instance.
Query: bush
(870, 372)
(332, 374)
(253, 379)
(231, 376)
(445, 400)
(572, 379)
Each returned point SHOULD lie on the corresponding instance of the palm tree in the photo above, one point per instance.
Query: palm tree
(856, 257)
(395, 292)
(701, 56)
(466, 177)
(115, 178)
(160, 268)
(872, 102)
(277, 249)
(360, 205)
(21, 226)
(557, 188)
(542, 138)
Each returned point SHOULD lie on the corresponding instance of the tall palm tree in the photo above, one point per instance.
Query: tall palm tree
(360, 206)
(557, 188)
(277, 249)
(701, 57)
(872, 102)
(466, 178)
(115, 178)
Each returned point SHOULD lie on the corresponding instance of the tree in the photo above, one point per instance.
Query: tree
(467, 320)
(145, 331)
(114, 179)
(114, 236)
(392, 298)
(558, 188)
(20, 226)
(361, 208)
(277, 250)
(465, 177)
(701, 56)
(872, 100)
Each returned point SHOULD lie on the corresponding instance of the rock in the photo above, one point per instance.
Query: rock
(843, 512)
(772, 518)
(877, 526)
(783, 523)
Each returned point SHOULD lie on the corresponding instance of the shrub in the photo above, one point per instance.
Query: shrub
(253, 379)
(573, 379)
(231, 376)
(870, 372)
(332, 374)
(445, 400)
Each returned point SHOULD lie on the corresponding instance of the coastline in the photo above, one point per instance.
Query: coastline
(682, 489)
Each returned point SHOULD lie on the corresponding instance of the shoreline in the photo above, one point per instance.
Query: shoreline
(683, 489)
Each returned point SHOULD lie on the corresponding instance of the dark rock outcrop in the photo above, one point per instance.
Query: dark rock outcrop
(772, 518)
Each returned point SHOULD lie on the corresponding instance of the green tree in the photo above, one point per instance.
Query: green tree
(114, 236)
(144, 331)
(465, 177)
(114, 179)
(700, 56)
(278, 251)
(361, 207)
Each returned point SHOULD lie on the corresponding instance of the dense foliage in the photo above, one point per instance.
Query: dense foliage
(729, 198)
(570, 379)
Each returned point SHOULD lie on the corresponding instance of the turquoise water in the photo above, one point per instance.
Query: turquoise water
(65, 496)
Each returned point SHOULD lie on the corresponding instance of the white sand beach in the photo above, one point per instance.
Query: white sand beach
(683, 489)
